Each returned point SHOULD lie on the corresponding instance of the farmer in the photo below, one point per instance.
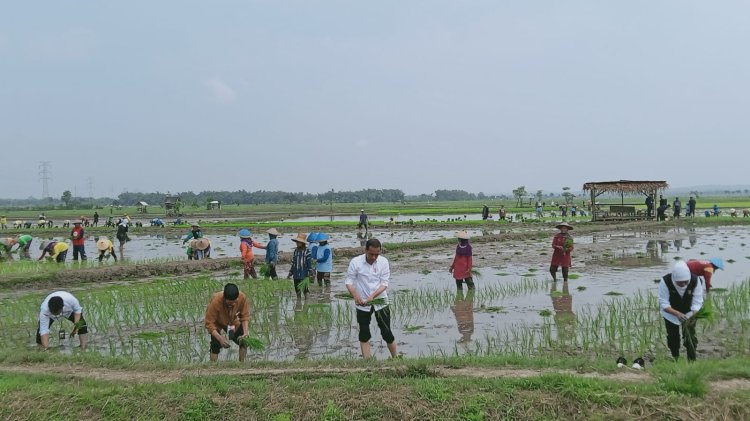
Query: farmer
(691, 207)
(122, 234)
(5, 245)
(201, 249)
(57, 250)
(4, 222)
(705, 269)
(676, 206)
(246, 251)
(96, 219)
(194, 234)
(562, 245)
(680, 298)
(301, 265)
(462, 262)
(650, 205)
(56, 306)
(77, 238)
(364, 221)
(502, 212)
(485, 212)
(24, 244)
(323, 260)
(272, 252)
(367, 279)
(228, 311)
(105, 247)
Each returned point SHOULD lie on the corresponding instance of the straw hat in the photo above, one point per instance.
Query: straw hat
(273, 231)
(564, 224)
(245, 233)
(301, 238)
(462, 235)
(195, 225)
(102, 244)
(200, 244)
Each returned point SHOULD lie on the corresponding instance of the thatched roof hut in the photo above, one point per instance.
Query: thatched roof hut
(629, 187)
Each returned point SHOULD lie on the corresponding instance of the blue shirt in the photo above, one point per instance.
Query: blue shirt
(272, 251)
(324, 256)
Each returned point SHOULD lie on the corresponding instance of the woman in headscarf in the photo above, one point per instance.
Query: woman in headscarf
(462, 262)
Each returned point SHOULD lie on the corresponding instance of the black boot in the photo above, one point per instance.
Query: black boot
(470, 283)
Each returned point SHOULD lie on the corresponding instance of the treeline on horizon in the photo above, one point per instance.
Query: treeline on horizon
(251, 198)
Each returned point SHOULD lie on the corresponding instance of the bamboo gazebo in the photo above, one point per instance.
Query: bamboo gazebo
(623, 211)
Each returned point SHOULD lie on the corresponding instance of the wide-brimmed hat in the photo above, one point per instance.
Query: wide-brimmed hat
(200, 244)
(313, 237)
(361, 210)
(195, 225)
(273, 231)
(301, 238)
(462, 235)
(245, 233)
(717, 262)
(322, 237)
(564, 224)
(102, 243)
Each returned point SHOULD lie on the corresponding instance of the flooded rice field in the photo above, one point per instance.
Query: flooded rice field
(608, 306)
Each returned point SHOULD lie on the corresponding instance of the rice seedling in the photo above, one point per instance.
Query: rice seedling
(475, 273)
(573, 276)
(252, 343)
(613, 293)
(581, 288)
(545, 313)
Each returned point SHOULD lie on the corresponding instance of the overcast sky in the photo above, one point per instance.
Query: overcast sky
(417, 95)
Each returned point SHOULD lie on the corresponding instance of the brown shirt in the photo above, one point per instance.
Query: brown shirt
(219, 316)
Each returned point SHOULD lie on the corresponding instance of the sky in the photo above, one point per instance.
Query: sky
(484, 96)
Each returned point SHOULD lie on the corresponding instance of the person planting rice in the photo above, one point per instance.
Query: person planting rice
(58, 305)
(367, 281)
(228, 311)
(680, 298)
(194, 234)
(201, 249)
(6, 244)
(323, 260)
(57, 250)
(462, 262)
(122, 234)
(705, 269)
(78, 238)
(562, 245)
(272, 252)
(106, 248)
(301, 270)
(246, 252)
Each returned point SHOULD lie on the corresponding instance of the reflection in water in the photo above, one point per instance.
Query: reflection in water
(678, 243)
(692, 237)
(363, 237)
(565, 319)
(463, 310)
(312, 324)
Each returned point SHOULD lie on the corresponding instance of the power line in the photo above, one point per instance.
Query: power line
(45, 176)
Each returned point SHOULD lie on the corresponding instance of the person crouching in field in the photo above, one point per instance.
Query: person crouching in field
(462, 262)
(680, 298)
(228, 311)
(705, 269)
(57, 250)
(246, 251)
(301, 265)
(562, 245)
(106, 248)
(56, 306)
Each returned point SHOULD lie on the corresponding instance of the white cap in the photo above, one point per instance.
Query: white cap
(680, 272)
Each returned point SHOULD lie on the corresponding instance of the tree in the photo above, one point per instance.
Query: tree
(568, 195)
(519, 193)
(67, 196)
(539, 195)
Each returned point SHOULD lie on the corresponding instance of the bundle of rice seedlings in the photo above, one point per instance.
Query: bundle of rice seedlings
(707, 311)
(475, 273)
(568, 243)
(265, 271)
(253, 343)
(379, 302)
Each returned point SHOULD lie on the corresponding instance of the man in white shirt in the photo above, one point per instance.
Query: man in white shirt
(367, 279)
(680, 298)
(61, 304)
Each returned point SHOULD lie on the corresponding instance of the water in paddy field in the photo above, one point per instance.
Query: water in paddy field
(162, 320)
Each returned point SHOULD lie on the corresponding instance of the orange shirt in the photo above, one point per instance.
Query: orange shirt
(219, 316)
(246, 251)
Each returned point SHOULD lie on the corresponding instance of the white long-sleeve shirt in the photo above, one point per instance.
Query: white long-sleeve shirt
(367, 278)
(70, 306)
(695, 305)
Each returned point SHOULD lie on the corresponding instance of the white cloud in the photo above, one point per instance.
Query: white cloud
(220, 91)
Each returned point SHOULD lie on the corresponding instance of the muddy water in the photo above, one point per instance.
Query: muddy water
(624, 263)
(403, 219)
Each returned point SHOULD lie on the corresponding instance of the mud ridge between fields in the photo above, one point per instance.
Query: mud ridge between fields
(171, 376)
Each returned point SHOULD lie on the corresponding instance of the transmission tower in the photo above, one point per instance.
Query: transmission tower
(45, 176)
(90, 181)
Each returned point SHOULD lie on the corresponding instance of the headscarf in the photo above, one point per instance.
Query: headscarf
(463, 248)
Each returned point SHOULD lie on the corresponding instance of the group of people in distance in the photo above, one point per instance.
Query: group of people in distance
(680, 293)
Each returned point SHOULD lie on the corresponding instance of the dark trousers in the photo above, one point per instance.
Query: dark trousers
(382, 317)
(469, 282)
(111, 253)
(79, 250)
(81, 330)
(324, 277)
(298, 287)
(61, 256)
(688, 338)
(216, 346)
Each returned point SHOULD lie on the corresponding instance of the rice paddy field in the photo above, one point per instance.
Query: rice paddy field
(518, 323)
